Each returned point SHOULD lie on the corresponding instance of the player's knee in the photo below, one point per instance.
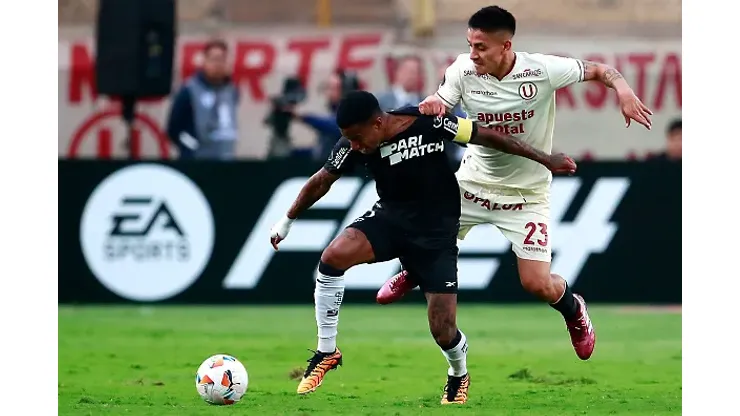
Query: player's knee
(336, 258)
(340, 257)
(347, 250)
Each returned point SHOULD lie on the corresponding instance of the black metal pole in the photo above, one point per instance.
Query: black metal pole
(128, 110)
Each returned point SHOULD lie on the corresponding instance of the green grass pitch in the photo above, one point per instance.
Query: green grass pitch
(142, 361)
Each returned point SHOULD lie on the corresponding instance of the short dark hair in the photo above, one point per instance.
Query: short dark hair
(356, 107)
(492, 19)
(215, 44)
(673, 126)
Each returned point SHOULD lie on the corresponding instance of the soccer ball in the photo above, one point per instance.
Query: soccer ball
(221, 380)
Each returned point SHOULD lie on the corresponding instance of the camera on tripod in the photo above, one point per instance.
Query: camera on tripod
(281, 113)
(350, 82)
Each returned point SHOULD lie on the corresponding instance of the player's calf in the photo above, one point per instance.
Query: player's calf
(442, 314)
(328, 296)
(348, 249)
(552, 288)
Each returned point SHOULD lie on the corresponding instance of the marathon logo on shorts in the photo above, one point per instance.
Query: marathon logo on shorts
(485, 203)
(409, 148)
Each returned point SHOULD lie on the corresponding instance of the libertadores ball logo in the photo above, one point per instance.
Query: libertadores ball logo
(147, 232)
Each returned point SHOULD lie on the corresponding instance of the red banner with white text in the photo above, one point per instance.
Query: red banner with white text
(588, 119)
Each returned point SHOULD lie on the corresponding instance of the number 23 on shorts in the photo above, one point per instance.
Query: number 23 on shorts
(540, 239)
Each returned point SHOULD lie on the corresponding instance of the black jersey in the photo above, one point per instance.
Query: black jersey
(412, 174)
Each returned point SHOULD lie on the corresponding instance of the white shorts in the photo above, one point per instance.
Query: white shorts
(524, 224)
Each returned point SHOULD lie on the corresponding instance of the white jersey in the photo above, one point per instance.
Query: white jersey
(522, 104)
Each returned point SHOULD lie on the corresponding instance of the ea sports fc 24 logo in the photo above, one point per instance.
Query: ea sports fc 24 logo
(590, 231)
(147, 232)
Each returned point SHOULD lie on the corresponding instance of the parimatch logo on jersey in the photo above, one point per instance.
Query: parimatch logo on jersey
(409, 148)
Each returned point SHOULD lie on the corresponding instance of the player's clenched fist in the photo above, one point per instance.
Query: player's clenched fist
(432, 106)
(561, 163)
(280, 231)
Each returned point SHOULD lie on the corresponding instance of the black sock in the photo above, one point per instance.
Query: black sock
(454, 341)
(567, 304)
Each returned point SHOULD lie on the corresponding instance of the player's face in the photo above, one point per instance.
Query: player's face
(365, 137)
(488, 50)
(407, 75)
(334, 88)
(214, 63)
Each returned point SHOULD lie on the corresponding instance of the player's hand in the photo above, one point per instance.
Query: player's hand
(560, 163)
(432, 106)
(280, 231)
(634, 109)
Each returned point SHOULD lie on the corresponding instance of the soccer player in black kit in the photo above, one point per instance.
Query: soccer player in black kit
(415, 220)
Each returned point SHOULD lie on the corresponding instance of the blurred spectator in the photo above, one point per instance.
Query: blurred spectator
(405, 89)
(672, 150)
(338, 84)
(203, 118)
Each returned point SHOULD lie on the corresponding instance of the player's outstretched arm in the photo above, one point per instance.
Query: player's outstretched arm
(488, 137)
(315, 188)
(632, 107)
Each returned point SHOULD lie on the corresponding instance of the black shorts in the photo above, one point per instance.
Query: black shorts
(429, 258)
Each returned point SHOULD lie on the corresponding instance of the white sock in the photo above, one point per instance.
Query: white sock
(457, 357)
(328, 299)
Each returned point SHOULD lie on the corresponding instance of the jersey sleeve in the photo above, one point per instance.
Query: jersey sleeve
(453, 128)
(563, 71)
(450, 89)
(342, 158)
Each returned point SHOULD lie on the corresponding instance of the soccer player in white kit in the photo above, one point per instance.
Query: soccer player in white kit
(514, 92)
